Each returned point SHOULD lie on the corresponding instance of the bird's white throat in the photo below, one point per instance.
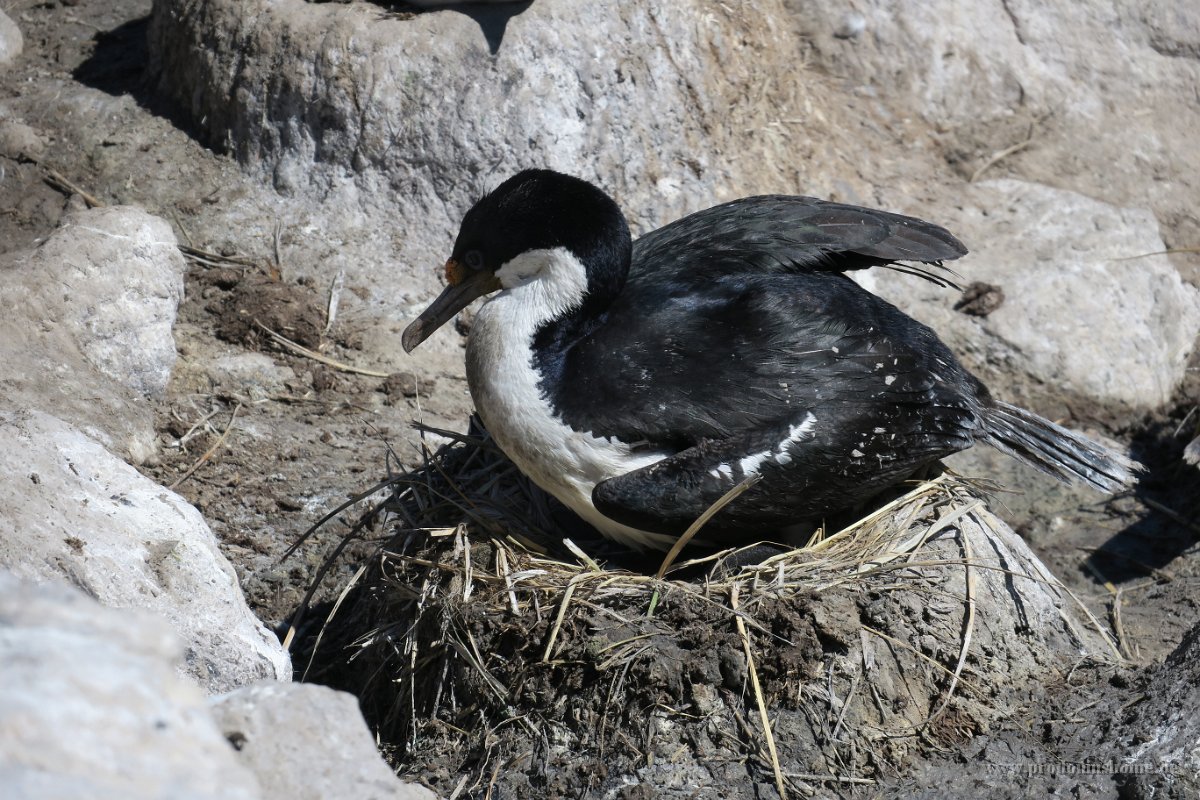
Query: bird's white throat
(539, 287)
(545, 283)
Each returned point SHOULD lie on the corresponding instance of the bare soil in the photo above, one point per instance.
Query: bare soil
(313, 435)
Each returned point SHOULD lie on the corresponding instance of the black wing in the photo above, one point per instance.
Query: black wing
(784, 233)
(743, 353)
(817, 462)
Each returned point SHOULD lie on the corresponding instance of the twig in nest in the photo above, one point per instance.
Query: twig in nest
(1168, 252)
(214, 259)
(758, 695)
(562, 612)
(1001, 155)
(583, 557)
(291, 633)
(300, 349)
(695, 527)
(358, 498)
(208, 453)
(331, 559)
(502, 568)
(60, 182)
(702, 520)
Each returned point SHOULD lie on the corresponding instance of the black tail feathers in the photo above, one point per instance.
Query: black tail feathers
(1055, 450)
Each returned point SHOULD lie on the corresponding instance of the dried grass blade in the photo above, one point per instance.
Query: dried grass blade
(968, 627)
(562, 613)
(503, 570)
(210, 451)
(300, 349)
(758, 695)
(287, 640)
(583, 557)
(702, 520)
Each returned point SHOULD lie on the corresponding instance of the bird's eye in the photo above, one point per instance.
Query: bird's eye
(474, 259)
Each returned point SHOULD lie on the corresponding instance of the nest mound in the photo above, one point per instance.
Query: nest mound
(495, 660)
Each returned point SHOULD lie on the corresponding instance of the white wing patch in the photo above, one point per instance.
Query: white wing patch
(778, 454)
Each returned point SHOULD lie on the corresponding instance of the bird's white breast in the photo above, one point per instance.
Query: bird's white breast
(540, 286)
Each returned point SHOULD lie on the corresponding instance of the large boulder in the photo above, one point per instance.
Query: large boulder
(92, 705)
(1090, 304)
(308, 742)
(70, 510)
(1098, 98)
(11, 41)
(430, 107)
(87, 328)
(665, 104)
(405, 118)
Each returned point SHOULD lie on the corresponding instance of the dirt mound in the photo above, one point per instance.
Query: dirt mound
(481, 647)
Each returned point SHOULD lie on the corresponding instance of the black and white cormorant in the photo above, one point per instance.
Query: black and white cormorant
(638, 382)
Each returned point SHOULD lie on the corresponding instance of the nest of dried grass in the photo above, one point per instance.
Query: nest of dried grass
(493, 657)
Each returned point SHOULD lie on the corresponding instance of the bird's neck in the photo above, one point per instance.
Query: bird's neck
(524, 334)
(543, 290)
(552, 299)
(540, 286)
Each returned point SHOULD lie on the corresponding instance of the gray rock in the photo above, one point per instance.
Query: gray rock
(1161, 734)
(1086, 307)
(406, 120)
(425, 112)
(1125, 742)
(18, 140)
(379, 130)
(123, 278)
(1035, 53)
(305, 741)
(87, 324)
(1098, 98)
(253, 374)
(91, 705)
(11, 41)
(71, 510)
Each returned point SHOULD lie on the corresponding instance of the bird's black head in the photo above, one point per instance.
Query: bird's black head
(541, 209)
(537, 209)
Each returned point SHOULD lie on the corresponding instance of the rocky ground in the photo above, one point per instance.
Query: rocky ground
(312, 160)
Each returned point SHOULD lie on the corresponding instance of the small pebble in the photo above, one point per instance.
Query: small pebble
(851, 26)
(323, 379)
(401, 384)
(18, 140)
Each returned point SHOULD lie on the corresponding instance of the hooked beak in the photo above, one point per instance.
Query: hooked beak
(464, 286)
